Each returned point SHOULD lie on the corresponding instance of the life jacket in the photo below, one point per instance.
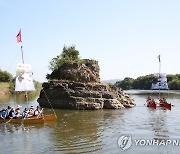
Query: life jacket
(25, 114)
(11, 114)
(3, 114)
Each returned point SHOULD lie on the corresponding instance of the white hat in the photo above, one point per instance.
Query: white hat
(19, 106)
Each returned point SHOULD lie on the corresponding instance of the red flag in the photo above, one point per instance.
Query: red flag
(18, 37)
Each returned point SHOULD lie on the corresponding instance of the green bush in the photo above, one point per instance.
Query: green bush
(5, 76)
(37, 84)
(125, 84)
(142, 82)
(174, 84)
(69, 54)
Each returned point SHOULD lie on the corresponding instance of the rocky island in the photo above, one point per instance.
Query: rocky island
(76, 85)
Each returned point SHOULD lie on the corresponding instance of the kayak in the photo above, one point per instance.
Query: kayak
(165, 105)
(49, 117)
(151, 105)
(31, 120)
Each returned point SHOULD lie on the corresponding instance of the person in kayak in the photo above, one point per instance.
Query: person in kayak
(162, 100)
(150, 100)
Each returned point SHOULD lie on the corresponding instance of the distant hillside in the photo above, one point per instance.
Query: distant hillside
(112, 81)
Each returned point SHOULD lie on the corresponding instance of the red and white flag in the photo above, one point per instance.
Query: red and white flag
(18, 37)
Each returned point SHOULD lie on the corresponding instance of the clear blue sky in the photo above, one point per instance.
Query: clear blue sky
(125, 36)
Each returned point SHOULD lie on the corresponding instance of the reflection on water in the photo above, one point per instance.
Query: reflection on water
(94, 131)
(157, 121)
(20, 97)
(76, 129)
(81, 131)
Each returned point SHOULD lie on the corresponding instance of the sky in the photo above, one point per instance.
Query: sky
(124, 36)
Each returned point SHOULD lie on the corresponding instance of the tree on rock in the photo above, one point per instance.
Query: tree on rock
(69, 54)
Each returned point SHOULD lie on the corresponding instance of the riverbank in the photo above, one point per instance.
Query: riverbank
(5, 88)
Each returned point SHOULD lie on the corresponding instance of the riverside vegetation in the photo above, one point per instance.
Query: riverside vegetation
(6, 82)
(144, 82)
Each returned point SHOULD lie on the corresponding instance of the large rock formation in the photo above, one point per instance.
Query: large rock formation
(78, 87)
(84, 71)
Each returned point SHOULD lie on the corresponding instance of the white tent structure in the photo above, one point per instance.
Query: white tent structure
(162, 82)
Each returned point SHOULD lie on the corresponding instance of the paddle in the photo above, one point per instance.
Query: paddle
(9, 120)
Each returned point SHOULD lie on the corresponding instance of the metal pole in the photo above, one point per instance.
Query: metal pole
(159, 75)
(22, 54)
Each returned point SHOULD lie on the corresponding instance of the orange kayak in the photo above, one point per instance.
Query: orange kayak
(31, 120)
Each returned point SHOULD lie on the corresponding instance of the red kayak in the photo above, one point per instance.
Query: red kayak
(165, 105)
(151, 105)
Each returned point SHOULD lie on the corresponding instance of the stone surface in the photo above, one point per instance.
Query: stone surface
(77, 86)
(83, 71)
(84, 96)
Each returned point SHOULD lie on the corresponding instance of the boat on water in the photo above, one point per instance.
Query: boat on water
(163, 103)
(151, 103)
(30, 120)
(160, 85)
(24, 83)
(166, 105)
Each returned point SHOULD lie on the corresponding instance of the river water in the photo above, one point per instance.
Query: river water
(96, 131)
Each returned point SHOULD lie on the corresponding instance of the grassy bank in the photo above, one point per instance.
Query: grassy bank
(4, 88)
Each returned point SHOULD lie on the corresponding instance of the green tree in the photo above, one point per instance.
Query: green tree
(125, 84)
(68, 54)
(173, 81)
(144, 82)
(174, 84)
(171, 77)
(5, 76)
(178, 76)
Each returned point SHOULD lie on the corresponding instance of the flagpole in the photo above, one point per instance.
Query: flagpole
(19, 40)
(159, 74)
(22, 54)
